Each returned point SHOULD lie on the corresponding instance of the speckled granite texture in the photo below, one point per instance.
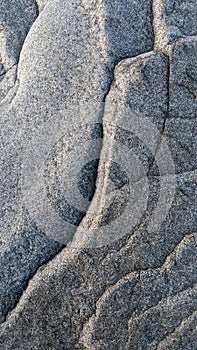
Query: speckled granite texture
(98, 181)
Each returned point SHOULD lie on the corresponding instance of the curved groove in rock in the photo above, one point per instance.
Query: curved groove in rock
(73, 275)
(28, 105)
(15, 28)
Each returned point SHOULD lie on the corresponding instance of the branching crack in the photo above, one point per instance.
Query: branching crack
(8, 69)
(135, 274)
(137, 271)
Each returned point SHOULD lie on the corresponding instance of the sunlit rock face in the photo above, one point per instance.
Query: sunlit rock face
(98, 174)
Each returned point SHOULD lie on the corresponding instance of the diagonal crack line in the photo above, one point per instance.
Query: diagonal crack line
(37, 8)
(134, 273)
(164, 299)
(190, 234)
(167, 300)
(157, 266)
(107, 289)
(53, 257)
(164, 120)
(176, 327)
(103, 111)
(27, 285)
(116, 63)
(18, 61)
(189, 318)
(3, 101)
(8, 69)
(13, 91)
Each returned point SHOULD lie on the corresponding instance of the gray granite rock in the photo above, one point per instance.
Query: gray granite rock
(41, 4)
(183, 338)
(7, 82)
(64, 73)
(173, 19)
(183, 82)
(147, 303)
(28, 248)
(141, 84)
(181, 135)
(138, 290)
(16, 18)
(89, 303)
(120, 176)
(135, 111)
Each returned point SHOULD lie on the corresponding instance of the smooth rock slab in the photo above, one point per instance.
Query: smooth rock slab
(67, 59)
(53, 82)
(111, 296)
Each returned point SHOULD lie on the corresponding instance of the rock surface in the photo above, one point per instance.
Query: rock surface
(62, 80)
(183, 83)
(173, 19)
(16, 18)
(98, 184)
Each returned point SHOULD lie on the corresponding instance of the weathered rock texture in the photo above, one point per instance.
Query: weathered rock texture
(16, 18)
(173, 19)
(98, 175)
